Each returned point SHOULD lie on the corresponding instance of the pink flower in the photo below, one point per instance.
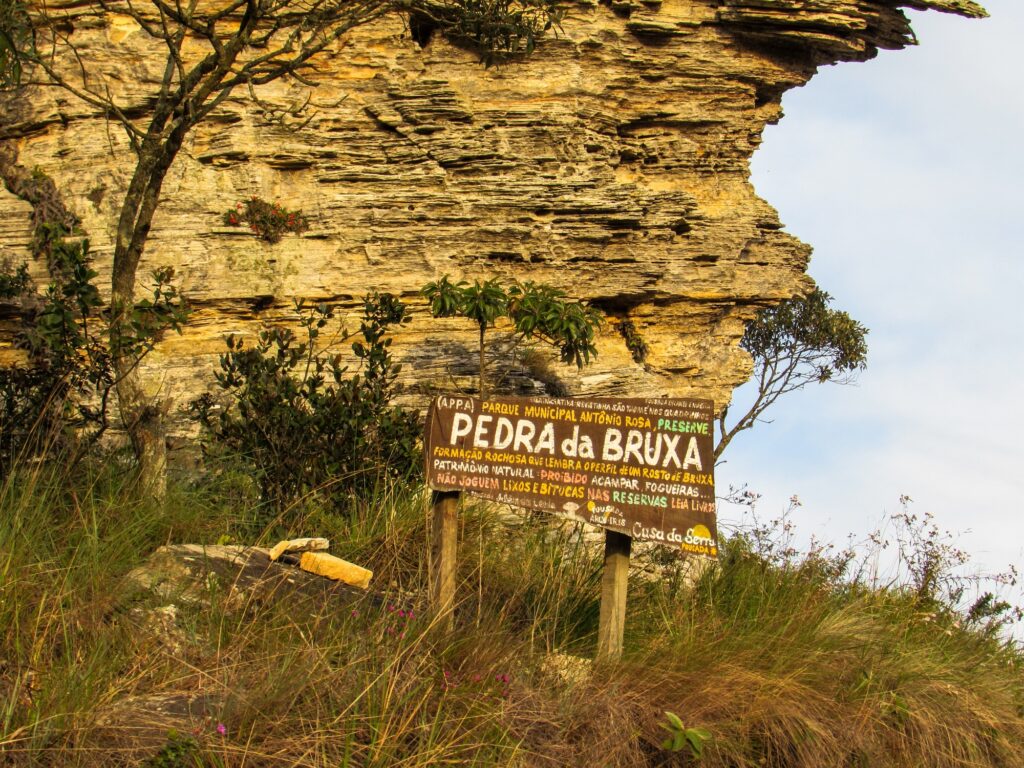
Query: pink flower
(222, 729)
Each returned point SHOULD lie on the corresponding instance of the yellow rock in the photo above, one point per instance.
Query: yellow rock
(331, 567)
(298, 545)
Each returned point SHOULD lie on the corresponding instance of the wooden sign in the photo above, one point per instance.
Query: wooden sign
(643, 468)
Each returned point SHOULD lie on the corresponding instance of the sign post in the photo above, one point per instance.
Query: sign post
(642, 469)
(612, 623)
(444, 506)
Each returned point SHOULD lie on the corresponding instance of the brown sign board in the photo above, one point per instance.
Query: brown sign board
(642, 467)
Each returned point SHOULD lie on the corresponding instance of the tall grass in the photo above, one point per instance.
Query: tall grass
(64, 547)
(786, 664)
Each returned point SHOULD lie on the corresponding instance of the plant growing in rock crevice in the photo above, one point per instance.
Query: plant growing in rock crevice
(268, 221)
(634, 341)
(497, 30)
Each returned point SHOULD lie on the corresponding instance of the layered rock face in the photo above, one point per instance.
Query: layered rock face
(613, 162)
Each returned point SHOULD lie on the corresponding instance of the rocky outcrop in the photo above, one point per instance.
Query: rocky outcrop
(158, 603)
(614, 162)
(187, 573)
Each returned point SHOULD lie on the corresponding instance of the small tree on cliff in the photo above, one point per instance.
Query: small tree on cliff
(214, 50)
(798, 342)
(538, 312)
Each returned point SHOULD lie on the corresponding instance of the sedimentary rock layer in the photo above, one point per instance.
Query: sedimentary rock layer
(613, 162)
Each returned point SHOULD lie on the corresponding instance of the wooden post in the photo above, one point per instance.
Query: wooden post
(445, 506)
(612, 624)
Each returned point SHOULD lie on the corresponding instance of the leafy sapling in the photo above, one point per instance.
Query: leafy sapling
(680, 737)
(538, 312)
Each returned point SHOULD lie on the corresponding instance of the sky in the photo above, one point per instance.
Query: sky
(906, 175)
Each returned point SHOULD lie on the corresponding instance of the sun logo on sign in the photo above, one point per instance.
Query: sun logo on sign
(700, 532)
(699, 541)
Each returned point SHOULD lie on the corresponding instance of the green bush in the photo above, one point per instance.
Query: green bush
(57, 398)
(302, 422)
(16, 41)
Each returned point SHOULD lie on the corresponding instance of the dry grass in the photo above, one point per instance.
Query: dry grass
(785, 665)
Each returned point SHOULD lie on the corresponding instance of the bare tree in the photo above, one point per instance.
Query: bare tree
(213, 48)
(794, 344)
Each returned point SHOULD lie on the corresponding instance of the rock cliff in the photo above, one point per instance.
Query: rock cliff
(613, 162)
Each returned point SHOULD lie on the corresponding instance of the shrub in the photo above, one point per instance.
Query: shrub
(302, 422)
(57, 398)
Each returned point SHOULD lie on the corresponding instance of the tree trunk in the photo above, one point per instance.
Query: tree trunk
(141, 415)
(483, 383)
(143, 420)
(140, 418)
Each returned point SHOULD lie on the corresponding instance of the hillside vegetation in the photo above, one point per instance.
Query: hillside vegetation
(770, 659)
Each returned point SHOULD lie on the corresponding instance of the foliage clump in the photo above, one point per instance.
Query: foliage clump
(16, 41)
(805, 339)
(305, 424)
(497, 30)
(179, 752)
(269, 221)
